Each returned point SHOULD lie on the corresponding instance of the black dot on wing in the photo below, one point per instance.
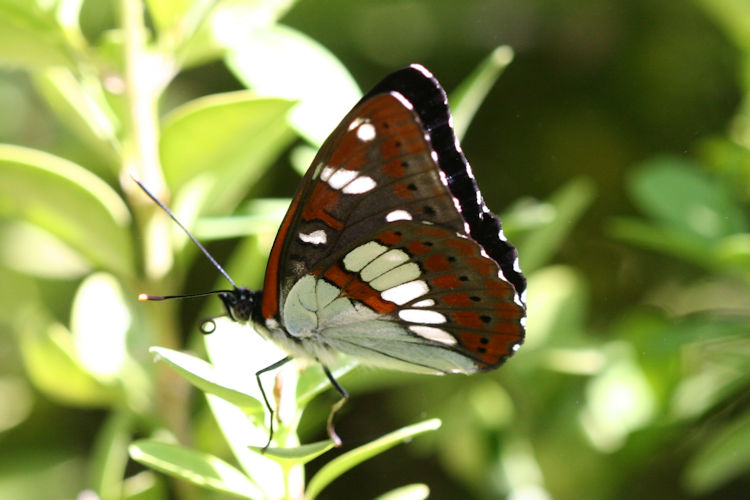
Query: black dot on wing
(474, 298)
(386, 125)
(412, 187)
(404, 164)
(481, 350)
(428, 243)
(484, 340)
(485, 318)
(428, 210)
(463, 278)
(398, 144)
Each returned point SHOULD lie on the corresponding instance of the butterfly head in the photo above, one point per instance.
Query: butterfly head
(240, 303)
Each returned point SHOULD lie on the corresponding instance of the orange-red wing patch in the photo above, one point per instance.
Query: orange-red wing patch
(322, 201)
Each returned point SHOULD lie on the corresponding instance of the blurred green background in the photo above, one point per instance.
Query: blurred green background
(615, 145)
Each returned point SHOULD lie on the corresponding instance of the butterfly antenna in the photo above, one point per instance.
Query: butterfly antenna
(197, 243)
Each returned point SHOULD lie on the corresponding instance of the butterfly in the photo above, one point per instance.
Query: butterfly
(388, 253)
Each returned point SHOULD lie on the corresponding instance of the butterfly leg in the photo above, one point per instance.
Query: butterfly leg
(268, 368)
(344, 396)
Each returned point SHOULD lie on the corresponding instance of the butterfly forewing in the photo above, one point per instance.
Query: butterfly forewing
(375, 168)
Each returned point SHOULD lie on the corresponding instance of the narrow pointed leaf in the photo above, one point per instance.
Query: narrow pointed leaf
(468, 97)
(200, 468)
(299, 454)
(202, 375)
(343, 463)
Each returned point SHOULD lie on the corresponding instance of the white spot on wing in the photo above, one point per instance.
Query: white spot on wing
(318, 237)
(384, 263)
(421, 316)
(366, 132)
(424, 303)
(361, 184)
(422, 70)
(396, 276)
(404, 102)
(358, 258)
(337, 178)
(405, 292)
(355, 123)
(432, 333)
(398, 215)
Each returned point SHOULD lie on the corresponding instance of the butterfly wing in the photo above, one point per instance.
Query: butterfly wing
(380, 173)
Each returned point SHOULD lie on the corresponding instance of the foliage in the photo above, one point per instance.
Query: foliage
(615, 393)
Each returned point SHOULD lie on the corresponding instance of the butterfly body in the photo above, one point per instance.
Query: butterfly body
(388, 253)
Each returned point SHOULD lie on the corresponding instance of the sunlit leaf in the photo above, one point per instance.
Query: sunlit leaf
(299, 454)
(50, 360)
(185, 13)
(557, 294)
(200, 468)
(29, 249)
(81, 105)
(110, 455)
(339, 465)
(202, 375)
(225, 142)
(100, 321)
(565, 207)
(30, 36)
(415, 491)
(680, 196)
(666, 239)
(280, 61)
(70, 203)
(723, 457)
(468, 97)
(313, 380)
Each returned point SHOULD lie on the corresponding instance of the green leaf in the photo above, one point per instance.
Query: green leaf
(468, 97)
(677, 194)
(415, 491)
(223, 143)
(82, 106)
(199, 468)
(723, 457)
(51, 363)
(146, 485)
(280, 61)
(70, 203)
(339, 465)
(313, 380)
(184, 14)
(30, 37)
(558, 296)
(299, 454)
(31, 250)
(564, 208)
(668, 240)
(110, 456)
(263, 216)
(203, 376)
(100, 321)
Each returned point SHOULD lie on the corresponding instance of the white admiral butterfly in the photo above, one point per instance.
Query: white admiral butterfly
(388, 253)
